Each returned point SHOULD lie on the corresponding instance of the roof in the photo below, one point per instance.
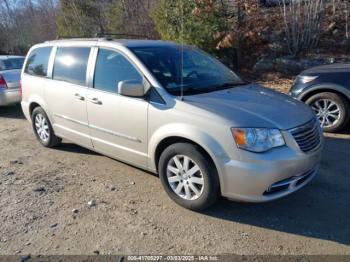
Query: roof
(144, 43)
(4, 57)
(125, 42)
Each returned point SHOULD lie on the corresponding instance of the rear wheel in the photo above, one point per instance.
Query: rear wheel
(43, 129)
(188, 176)
(331, 109)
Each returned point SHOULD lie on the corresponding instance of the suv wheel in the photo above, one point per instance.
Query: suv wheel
(188, 177)
(43, 129)
(331, 109)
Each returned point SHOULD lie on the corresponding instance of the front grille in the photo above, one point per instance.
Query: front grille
(308, 136)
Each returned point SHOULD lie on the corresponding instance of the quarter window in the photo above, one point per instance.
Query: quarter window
(112, 68)
(38, 61)
(71, 64)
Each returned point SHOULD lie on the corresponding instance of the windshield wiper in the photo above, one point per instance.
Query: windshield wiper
(232, 84)
(228, 85)
(191, 90)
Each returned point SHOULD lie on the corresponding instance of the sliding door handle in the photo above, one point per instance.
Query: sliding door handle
(95, 101)
(80, 97)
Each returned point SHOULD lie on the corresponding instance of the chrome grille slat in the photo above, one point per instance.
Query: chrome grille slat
(307, 136)
(303, 134)
(307, 142)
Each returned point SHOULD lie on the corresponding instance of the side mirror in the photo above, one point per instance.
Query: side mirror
(133, 88)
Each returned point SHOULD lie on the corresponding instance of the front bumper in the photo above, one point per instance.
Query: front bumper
(270, 175)
(9, 96)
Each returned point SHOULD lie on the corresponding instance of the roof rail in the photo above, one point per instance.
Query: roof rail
(107, 36)
(76, 37)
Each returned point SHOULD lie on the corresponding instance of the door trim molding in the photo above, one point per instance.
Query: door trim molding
(72, 120)
(130, 138)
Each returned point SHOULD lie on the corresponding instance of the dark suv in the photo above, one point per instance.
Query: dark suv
(327, 90)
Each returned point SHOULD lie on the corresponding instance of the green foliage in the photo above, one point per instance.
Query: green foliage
(115, 17)
(85, 18)
(199, 23)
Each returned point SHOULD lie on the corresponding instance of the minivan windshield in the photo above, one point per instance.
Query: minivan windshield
(11, 63)
(187, 68)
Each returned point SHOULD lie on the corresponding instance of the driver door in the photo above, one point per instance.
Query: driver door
(118, 124)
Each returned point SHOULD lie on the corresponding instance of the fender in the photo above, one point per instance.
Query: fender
(38, 100)
(325, 86)
(190, 132)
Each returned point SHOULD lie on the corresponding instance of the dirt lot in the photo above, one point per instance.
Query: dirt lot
(40, 188)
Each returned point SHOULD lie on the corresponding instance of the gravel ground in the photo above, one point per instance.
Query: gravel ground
(45, 196)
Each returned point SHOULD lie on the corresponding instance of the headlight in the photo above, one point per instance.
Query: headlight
(307, 79)
(257, 139)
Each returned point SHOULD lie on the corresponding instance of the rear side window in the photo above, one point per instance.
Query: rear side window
(111, 68)
(71, 64)
(38, 61)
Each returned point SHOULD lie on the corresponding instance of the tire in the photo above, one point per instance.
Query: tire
(41, 121)
(204, 181)
(317, 103)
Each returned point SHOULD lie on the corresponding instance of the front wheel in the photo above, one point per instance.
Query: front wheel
(43, 129)
(331, 109)
(188, 176)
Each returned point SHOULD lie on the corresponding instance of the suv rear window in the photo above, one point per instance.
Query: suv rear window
(38, 61)
(71, 64)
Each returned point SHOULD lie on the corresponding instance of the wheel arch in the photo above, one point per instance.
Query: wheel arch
(36, 101)
(332, 88)
(32, 106)
(163, 144)
(166, 136)
(166, 142)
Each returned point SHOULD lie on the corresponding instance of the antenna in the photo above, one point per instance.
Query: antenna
(182, 50)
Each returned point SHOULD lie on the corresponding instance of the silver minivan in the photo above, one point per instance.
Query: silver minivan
(175, 111)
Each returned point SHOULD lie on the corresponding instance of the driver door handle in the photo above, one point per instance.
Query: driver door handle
(95, 101)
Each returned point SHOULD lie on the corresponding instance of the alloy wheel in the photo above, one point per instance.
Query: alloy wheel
(42, 127)
(327, 111)
(185, 177)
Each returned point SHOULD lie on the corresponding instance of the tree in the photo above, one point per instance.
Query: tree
(82, 18)
(86, 18)
(303, 24)
(199, 22)
(26, 22)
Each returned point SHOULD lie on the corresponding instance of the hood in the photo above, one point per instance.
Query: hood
(331, 68)
(12, 77)
(253, 106)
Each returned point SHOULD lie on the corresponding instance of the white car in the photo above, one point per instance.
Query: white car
(10, 75)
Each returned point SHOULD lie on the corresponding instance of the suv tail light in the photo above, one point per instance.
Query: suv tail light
(3, 84)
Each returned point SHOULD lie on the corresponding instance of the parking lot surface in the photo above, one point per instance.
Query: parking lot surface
(70, 200)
